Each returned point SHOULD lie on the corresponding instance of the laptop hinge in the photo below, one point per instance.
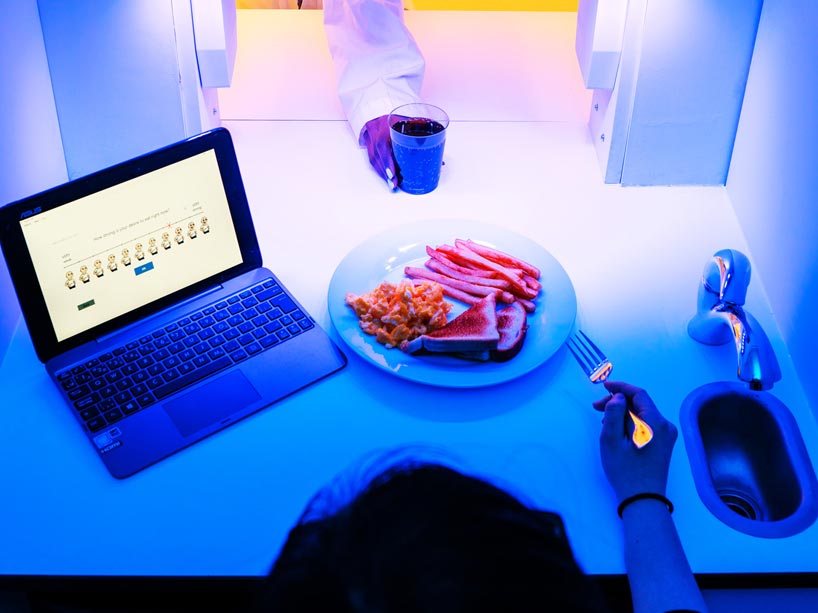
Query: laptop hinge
(158, 314)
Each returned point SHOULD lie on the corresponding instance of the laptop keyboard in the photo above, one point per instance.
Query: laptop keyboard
(121, 382)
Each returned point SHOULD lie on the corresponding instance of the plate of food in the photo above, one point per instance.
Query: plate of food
(452, 303)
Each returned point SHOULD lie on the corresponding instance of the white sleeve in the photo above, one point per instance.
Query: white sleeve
(377, 62)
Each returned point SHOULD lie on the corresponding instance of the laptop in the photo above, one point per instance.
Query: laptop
(143, 289)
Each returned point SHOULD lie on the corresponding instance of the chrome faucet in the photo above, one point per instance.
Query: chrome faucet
(721, 316)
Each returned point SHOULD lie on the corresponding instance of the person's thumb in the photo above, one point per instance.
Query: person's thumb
(613, 424)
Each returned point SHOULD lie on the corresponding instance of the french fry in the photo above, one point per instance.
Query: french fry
(441, 268)
(528, 305)
(518, 286)
(500, 257)
(463, 286)
(532, 283)
(446, 261)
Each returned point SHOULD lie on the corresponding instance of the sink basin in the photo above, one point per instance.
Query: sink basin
(749, 461)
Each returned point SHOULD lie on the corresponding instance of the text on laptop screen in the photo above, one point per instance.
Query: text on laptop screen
(113, 251)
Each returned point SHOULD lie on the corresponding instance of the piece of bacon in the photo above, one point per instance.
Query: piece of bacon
(499, 256)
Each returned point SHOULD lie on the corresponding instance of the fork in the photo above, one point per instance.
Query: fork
(598, 367)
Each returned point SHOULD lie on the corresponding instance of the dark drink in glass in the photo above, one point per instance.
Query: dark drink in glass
(417, 144)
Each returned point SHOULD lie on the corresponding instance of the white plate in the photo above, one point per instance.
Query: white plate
(383, 258)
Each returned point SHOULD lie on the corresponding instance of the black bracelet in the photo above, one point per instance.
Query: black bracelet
(643, 496)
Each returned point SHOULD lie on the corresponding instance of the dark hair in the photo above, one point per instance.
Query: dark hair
(424, 537)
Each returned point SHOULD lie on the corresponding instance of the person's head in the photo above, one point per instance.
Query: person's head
(424, 537)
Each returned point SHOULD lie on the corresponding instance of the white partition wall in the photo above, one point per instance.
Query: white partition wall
(672, 114)
(125, 77)
(31, 155)
(773, 178)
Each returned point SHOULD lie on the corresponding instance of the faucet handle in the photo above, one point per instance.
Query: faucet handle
(727, 275)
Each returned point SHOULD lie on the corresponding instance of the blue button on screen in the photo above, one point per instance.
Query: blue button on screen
(144, 268)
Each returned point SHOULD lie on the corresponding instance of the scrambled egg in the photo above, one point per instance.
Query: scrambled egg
(395, 313)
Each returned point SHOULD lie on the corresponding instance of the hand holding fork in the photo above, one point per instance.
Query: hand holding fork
(598, 367)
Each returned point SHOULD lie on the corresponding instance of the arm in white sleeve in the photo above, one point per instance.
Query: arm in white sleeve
(377, 62)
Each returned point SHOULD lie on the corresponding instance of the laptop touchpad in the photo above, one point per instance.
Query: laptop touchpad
(211, 403)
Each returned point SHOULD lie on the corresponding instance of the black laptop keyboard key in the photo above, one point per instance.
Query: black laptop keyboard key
(155, 369)
(269, 341)
(200, 373)
(87, 401)
(129, 407)
(129, 369)
(190, 341)
(135, 375)
(145, 362)
(113, 416)
(172, 362)
(87, 414)
(97, 423)
(107, 391)
(79, 392)
(145, 400)
(284, 303)
(185, 368)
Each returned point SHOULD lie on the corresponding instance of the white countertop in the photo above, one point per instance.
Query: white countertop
(225, 505)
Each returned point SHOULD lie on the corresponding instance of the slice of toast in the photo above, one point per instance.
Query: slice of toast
(512, 325)
(473, 332)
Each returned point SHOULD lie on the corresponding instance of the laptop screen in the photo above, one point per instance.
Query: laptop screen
(107, 250)
(113, 251)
